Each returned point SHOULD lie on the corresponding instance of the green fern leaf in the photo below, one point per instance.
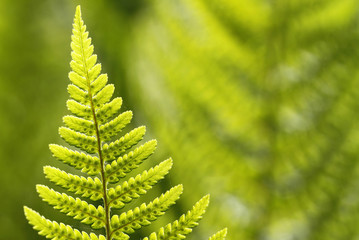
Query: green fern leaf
(80, 125)
(78, 94)
(79, 160)
(108, 110)
(135, 187)
(104, 95)
(119, 168)
(114, 127)
(133, 219)
(179, 228)
(54, 230)
(95, 122)
(76, 208)
(79, 109)
(221, 235)
(115, 149)
(79, 140)
(99, 83)
(90, 187)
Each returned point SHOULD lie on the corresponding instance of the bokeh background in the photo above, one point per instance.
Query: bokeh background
(257, 102)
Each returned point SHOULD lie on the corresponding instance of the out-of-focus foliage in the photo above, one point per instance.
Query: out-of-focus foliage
(255, 100)
(263, 96)
(31, 38)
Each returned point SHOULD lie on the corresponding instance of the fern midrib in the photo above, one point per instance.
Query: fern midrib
(151, 211)
(103, 176)
(99, 147)
(133, 188)
(129, 223)
(119, 196)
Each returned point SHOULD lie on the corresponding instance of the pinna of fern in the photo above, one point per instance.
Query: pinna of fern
(95, 122)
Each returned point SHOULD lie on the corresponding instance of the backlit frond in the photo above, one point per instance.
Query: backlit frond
(95, 122)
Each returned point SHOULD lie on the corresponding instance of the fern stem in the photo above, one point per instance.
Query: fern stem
(103, 177)
(102, 163)
(99, 148)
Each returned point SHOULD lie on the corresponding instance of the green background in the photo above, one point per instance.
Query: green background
(255, 100)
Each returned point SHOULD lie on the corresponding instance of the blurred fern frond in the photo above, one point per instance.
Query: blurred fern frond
(267, 92)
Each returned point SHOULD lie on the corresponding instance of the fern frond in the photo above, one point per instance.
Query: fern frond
(99, 84)
(79, 140)
(78, 94)
(137, 186)
(134, 219)
(125, 164)
(76, 208)
(115, 149)
(79, 109)
(108, 110)
(183, 226)
(115, 126)
(103, 96)
(221, 235)
(86, 187)
(95, 122)
(80, 125)
(76, 78)
(79, 160)
(54, 230)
